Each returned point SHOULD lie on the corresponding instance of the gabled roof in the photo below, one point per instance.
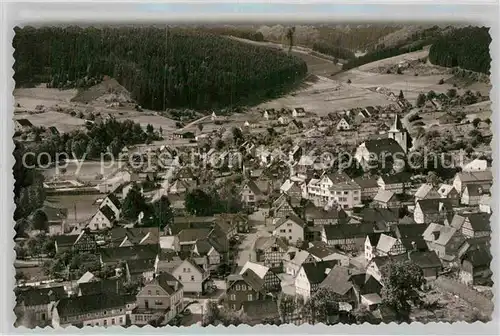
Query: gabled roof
(108, 213)
(426, 259)
(342, 231)
(168, 282)
(253, 187)
(409, 234)
(373, 215)
(478, 258)
(188, 235)
(138, 235)
(439, 234)
(89, 303)
(321, 250)
(339, 279)
(474, 189)
(140, 265)
(263, 243)
(315, 212)
(402, 177)
(384, 196)
(385, 243)
(66, 240)
(112, 197)
(423, 190)
(253, 280)
(366, 183)
(24, 122)
(203, 246)
(102, 286)
(113, 254)
(431, 205)
(477, 176)
(258, 269)
(445, 189)
(292, 218)
(316, 272)
(479, 221)
(40, 296)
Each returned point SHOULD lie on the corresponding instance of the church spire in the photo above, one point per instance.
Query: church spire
(397, 126)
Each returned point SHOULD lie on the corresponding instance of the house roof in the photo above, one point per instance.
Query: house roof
(296, 256)
(373, 215)
(108, 213)
(366, 183)
(188, 235)
(102, 286)
(88, 276)
(379, 146)
(114, 254)
(321, 250)
(339, 279)
(431, 205)
(342, 231)
(66, 240)
(407, 220)
(167, 281)
(203, 246)
(258, 269)
(54, 213)
(474, 189)
(263, 243)
(253, 187)
(314, 212)
(478, 258)
(40, 296)
(425, 259)
(479, 221)
(477, 176)
(145, 236)
(423, 190)
(445, 189)
(140, 265)
(292, 218)
(316, 272)
(252, 279)
(24, 122)
(112, 197)
(79, 305)
(409, 234)
(384, 196)
(439, 234)
(386, 242)
(402, 177)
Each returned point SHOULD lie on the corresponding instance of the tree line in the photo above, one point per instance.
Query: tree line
(176, 67)
(467, 48)
(332, 50)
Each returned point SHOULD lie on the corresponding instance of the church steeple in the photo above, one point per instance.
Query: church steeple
(399, 133)
(397, 126)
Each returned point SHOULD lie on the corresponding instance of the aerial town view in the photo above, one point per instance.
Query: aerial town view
(252, 174)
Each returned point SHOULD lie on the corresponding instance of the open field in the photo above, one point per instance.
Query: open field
(65, 123)
(84, 171)
(326, 95)
(84, 204)
(30, 98)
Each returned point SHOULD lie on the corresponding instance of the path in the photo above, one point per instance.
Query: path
(194, 122)
(246, 252)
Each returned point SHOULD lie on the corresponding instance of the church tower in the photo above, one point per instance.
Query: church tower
(399, 133)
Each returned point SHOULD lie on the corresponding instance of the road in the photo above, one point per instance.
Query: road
(246, 252)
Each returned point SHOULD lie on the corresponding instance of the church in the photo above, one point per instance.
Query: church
(395, 145)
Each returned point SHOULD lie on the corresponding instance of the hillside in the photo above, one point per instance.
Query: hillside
(176, 68)
(467, 48)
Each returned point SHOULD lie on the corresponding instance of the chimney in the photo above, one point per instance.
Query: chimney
(414, 246)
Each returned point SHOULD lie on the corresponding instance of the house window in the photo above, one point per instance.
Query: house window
(149, 292)
(289, 224)
(121, 320)
(97, 323)
(157, 292)
(112, 321)
(289, 230)
(250, 297)
(238, 287)
(105, 322)
(192, 277)
(158, 302)
(180, 278)
(289, 237)
(283, 230)
(234, 307)
(346, 193)
(189, 270)
(243, 287)
(233, 297)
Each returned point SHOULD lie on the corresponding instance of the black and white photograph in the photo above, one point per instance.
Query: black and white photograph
(269, 173)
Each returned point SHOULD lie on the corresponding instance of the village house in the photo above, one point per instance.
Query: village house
(372, 151)
(472, 225)
(185, 240)
(310, 276)
(475, 165)
(369, 187)
(380, 244)
(291, 188)
(56, 219)
(471, 194)
(115, 255)
(113, 203)
(334, 189)
(97, 286)
(294, 258)
(298, 112)
(428, 261)
(282, 207)
(235, 223)
(104, 309)
(397, 183)
(38, 303)
(121, 236)
(189, 222)
(380, 218)
(191, 276)
(432, 210)
(116, 179)
(22, 125)
(322, 252)
(103, 219)
(314, 133)
(161, 297)
(321, 216)
(203, 248)
(444, 240)
(270, 251)
(426, 191)
(485, 204)
(82, 242)
(245, 287)
(139, 270)
(449, 192)
(250, 193)
(375, 266)
(482, 178)
(294, 126)
(385, 199)
(410, 235)
(271, 280)
(344, 124)
(475, 268)
(290, 228)
(346, 237)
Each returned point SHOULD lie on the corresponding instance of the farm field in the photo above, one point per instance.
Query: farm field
(84, 204)
(84, 171)
(64, 122)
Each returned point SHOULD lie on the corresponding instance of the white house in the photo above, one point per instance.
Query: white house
(475, 165)
(343, 124)
(298, 112)
(103, 219)
(310, 276)
(485, 204)
(290, 228)
(334, 189)
(483, 178)
(191, 276)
